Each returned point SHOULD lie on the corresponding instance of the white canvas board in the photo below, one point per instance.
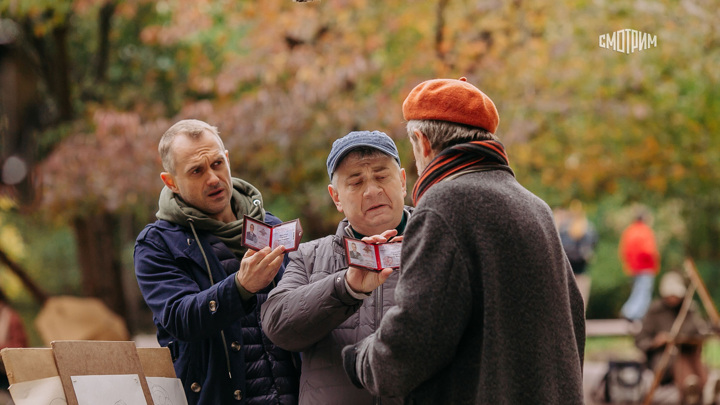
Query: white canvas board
(124, 389)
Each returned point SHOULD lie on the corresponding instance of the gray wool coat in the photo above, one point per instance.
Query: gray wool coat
(487, 309)
(312, 312)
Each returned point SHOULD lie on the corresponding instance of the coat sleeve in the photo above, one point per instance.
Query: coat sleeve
(657, 319)
(644, 338)
(695, 325)
(180, 305)
(418, 336)
(298, 313)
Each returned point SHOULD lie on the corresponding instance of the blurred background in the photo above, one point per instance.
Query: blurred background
(87, 87)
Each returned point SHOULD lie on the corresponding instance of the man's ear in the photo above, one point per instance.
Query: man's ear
(227, 162)
(169, 181)
(403, 180)
(423, 143)
(335, 197)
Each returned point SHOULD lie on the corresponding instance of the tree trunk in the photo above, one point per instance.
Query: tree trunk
(103, 54)
(440, 30)
(99, 259)
(63, 94)
(20, 121)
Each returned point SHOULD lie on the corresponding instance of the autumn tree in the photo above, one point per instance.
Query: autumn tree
(283, 79)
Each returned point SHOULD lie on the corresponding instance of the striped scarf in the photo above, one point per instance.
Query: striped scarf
(466, 157)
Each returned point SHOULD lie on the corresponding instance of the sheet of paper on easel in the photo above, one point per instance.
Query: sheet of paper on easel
(123, 389)
(166, 391)
(45, 391)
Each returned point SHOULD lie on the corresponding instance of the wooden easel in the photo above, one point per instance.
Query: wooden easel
(696, 284)
(69, 358)
(87, 358)
(702, 291)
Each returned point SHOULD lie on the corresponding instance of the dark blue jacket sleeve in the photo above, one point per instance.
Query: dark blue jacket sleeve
(175, 284)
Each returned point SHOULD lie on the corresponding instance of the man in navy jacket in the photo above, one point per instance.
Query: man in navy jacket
(204, 288)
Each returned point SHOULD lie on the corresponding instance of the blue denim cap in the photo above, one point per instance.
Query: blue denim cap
(374, 139)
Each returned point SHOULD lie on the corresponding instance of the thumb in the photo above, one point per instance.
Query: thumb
(384, 274)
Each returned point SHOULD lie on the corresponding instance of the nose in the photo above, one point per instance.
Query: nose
(213, 179)
(372, 189)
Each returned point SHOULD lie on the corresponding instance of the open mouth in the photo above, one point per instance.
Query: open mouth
(216, 193)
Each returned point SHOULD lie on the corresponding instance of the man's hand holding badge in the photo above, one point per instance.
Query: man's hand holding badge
(364, 279)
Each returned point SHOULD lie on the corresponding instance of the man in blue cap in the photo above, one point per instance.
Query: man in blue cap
(322, 304)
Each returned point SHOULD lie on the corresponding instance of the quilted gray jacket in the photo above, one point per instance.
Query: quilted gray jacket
(311, 311)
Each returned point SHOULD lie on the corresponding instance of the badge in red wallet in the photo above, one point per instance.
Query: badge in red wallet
(372, 256)
(257, 235)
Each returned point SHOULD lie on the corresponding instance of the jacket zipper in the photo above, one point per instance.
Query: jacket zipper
(378, 318)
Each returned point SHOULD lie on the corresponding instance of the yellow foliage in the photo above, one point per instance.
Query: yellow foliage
(6, 203)
(11, 285)
(11, 241)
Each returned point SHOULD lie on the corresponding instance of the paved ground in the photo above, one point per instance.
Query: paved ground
(666, 394)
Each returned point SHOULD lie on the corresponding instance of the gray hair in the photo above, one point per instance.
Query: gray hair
(363, 152)
(193, 129)
(443, 134)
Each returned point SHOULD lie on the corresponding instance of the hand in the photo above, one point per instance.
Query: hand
(258, 269)
(365, 281)
(661, 339)
(383, 237)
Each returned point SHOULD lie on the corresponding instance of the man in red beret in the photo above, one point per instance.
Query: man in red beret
(487, 310)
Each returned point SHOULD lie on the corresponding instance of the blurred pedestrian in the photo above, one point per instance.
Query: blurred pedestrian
(487, 309)
(579, 238)
(641, 260)
(685, 367)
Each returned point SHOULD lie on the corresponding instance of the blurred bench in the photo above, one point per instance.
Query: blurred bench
(607, 327)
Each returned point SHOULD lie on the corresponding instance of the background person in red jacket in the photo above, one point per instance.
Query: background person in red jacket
(641, 260)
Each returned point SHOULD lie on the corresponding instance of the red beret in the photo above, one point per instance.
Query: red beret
(451, 100)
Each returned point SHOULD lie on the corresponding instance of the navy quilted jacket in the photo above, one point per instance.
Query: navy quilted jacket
(219, 351)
